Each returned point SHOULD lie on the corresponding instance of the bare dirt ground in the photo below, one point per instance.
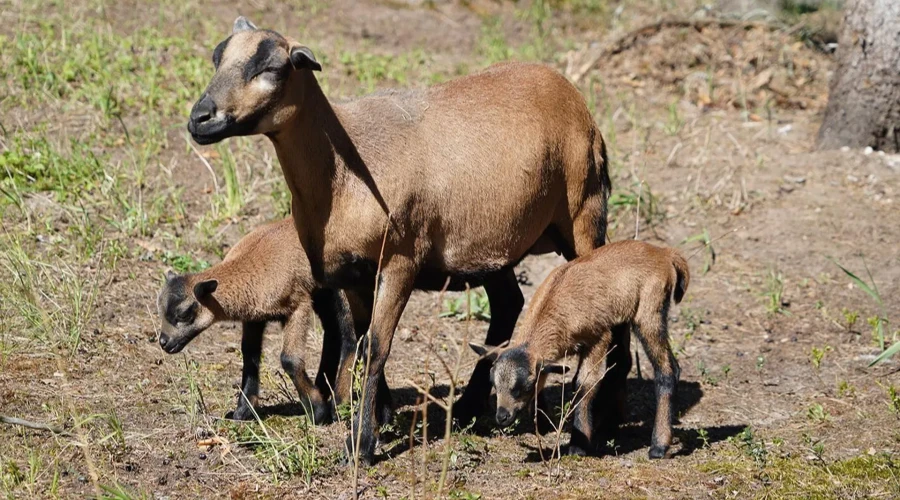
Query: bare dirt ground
(710, 126)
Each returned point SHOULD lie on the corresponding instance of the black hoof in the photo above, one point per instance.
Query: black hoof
(576, 451)
(657, 452)
(244, 413)
(366, 450)
(466, 410)
(321, 414)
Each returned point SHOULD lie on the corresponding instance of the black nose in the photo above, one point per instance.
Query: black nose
(503, 416)
(163, 339)
(204, 110)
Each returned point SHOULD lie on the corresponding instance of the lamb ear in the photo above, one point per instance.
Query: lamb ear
(205, 288)
(242, 24)
(554, 368)
(303, 58)
(479, 349)
(488, 352)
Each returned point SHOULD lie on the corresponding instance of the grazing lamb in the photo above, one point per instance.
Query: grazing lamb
(573, 313)
(466, 178)
(265, 278)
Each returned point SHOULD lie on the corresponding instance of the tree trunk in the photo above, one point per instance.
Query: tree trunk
(864, 100)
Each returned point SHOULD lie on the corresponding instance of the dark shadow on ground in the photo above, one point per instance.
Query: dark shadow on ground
(633, 435)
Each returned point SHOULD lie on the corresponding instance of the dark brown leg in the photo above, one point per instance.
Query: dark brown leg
(294, 364)
(506, 300)
(397, 279)
(251, 351)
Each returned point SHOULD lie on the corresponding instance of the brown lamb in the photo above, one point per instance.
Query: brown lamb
(466, 177)
(265, 278)
(573, 313)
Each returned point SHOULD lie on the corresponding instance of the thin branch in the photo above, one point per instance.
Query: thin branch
(205, 163)
(33, 425)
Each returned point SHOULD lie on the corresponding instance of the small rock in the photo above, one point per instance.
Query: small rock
(845, 149)
(795, 179)
(868, 150)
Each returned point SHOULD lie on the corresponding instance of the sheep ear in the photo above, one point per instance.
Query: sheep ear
(485, 352)
(303, 58)
(242, 24)
(479, 349)
(554, 368)
(205, 288)
(488, 352)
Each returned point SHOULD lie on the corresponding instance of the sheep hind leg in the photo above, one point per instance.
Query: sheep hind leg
(251, 351)
(506, 301)
(654, 336)
(294, 365)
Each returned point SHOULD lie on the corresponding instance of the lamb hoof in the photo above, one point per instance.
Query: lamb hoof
(576, 451)
(657, 452)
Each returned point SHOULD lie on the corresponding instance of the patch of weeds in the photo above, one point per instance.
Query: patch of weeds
(879, 322)
(817, 413)
(492, 44)
(751, 446)
(140, 73)
(818, 354)
(282, 455)
(845, 389)
(281, 199)
(371, 69)
(538, 13)
(479, 307)
(51, 302)
(864, 476)
(705, 375)
(464, 495)
(675, 122)
(893, 397)
(32, 164)
(773, 293)
(703, 436)
(640, 197)
(184, 263)
(850, 318)
(119, 492)
(709, 257)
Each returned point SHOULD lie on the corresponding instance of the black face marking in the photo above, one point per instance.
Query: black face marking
(175, 311)
(219, 50)
(260, 60)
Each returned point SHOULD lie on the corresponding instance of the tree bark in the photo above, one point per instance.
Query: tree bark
(864, 98)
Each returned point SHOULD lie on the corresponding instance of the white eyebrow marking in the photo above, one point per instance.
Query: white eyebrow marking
(262, 83)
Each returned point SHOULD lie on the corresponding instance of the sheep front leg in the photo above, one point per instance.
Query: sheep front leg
(251, 351)
(591, 370)
(394, 288)
(613, 387)
(506, 301)
(294, 364)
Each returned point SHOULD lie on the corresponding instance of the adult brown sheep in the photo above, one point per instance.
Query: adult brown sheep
(466, 178)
